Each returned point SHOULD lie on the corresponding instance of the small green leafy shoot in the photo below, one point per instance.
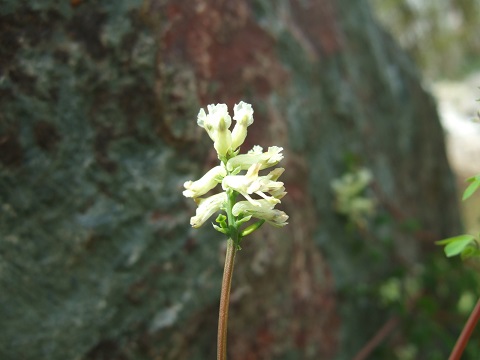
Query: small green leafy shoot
(464, 245)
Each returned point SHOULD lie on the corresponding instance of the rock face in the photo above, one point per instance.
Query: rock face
(98, 134)
(458, 107)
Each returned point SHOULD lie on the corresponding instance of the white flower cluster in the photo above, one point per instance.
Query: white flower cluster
(261, 193)
(350, 200)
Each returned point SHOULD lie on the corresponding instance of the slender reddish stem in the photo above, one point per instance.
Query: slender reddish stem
(384, 331)
(225, 300)
(466, 333)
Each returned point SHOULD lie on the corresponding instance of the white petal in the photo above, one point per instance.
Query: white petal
(217, 112)
(201, 118)
(257, 149)
(207, 207)
(243, 113)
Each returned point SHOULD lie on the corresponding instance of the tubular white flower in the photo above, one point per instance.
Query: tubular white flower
(266, 159)
(206, 183)
(206, 208)
(217, 124)
(265, 211)
(251, 183)
(243, 114)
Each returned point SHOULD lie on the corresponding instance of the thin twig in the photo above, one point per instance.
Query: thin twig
(381, 334)
(466, 332)
(225, 300)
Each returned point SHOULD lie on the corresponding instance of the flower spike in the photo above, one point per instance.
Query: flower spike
(238, 174)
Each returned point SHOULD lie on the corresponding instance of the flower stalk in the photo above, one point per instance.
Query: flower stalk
(225, 300)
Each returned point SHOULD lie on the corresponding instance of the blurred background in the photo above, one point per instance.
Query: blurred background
(441, 38)
(373, 103)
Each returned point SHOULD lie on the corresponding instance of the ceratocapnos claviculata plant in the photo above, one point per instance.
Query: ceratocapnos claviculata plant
(238, 175)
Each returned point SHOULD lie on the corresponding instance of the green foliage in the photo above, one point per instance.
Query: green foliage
(474, 185)
(461, 244)
(467, 246)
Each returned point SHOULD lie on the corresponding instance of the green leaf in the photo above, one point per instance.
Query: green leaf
(473, 178)
(457, 247)
(475, 184)
(454, 239)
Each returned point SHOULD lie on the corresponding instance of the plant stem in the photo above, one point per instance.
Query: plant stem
(384, 331)
(466, 332)
(225, 300)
